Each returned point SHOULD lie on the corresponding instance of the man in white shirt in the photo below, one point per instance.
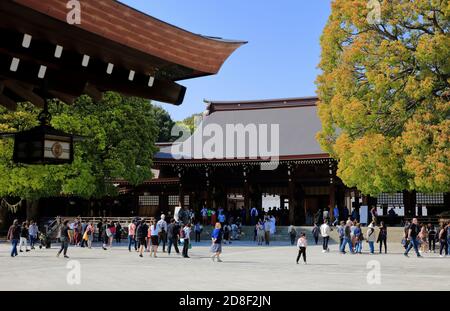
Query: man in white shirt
(325, 230)
(162, 231)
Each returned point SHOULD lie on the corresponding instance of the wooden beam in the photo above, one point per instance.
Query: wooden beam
(93, 92)
(7, 102)
(26, 92)
(63, 97)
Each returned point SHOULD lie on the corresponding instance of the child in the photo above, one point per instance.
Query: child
(302, 244)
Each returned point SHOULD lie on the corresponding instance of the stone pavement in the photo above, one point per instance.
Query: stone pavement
(245, 267)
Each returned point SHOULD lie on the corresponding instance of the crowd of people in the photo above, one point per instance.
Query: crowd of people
(148, 235)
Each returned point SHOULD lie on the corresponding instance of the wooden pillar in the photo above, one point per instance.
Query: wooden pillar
(291, 193)
(332, 196)
(409, 202)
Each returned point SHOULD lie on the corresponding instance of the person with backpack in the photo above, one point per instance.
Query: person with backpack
(142, 231)
(347, 237)
(382, 236)
(371, 237)
(292, 233)
(302, 243)
(65, 239)
(162, 231)
(443, 240)
(173, 231)
(216, 239)
(412, 237)
(315, 233)
(14, 236)
(185, 234)
(325, 233)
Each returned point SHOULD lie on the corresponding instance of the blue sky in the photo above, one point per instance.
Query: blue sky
(280, 59)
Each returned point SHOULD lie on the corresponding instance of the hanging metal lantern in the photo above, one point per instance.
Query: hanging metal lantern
(42, 144)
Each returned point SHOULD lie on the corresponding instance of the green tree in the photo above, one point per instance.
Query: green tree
(384, 94)
(164, 124)
(120, 134)
(189, 122)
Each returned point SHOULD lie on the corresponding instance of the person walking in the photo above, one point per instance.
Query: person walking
(336, 215)
(412, 237)
(90, 230)
(260, 232)
(340, 230)
(132, 236)
(33, 232)
(204, 213)
(106, 233)
(325, 233)
(316, 233)
(154, 238)
(358, 239)
(443, 240)
(65, 239)
(14, 236)
(100, 227)
(292, 233)
(198, 228)
(267, 227)
(432, 234)
(382, 236)
(118, 234)
(24, 237)
(84, 236)
(371, 237)
(173, 231)
(142, 231)
(347, 238)
(185, 234)
(226, 234)
(302, 243)
(423, 239)
(162, 232)
(448, 238)
(216, 239)
(253, 216)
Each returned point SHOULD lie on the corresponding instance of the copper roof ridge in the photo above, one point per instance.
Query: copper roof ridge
(293, 102)
(213, 38)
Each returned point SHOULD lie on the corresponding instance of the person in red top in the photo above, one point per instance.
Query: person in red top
(213, 218)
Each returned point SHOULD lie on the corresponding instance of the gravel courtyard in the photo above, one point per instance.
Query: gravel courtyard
(245, 267)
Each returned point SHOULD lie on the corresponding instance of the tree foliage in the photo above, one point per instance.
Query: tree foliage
(384, 94)
(119, 142)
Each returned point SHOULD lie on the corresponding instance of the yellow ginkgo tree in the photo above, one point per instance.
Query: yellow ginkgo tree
(384, 93)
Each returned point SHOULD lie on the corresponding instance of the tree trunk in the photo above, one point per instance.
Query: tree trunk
(32, 209)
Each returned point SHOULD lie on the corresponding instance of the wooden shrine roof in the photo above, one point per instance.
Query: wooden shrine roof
(115, 47)
(296, 119)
